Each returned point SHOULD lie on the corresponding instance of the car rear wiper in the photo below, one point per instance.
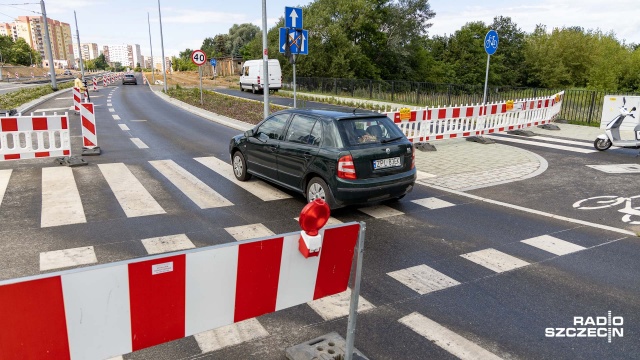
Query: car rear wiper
(390, 140)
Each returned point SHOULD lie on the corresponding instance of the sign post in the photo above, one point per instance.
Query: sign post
(293, 40)
(199, 58)
(490, 46)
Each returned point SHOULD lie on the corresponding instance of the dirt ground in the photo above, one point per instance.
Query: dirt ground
(190, 79)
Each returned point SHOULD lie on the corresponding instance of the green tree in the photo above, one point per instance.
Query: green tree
(101, 62)
(6, 48)
(507, 63)
(208, 46)
(466, 55)
(22, 54)
(239, 36)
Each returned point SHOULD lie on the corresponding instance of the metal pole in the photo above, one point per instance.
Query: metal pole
(355, 295)
(486, 81)
(164, 65)
(153, 69)
(295, 96)
(265, 59)
(79, 48)
(47, 47)
(200, 73)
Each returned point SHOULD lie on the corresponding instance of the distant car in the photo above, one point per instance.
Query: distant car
(67, 72)
(129, 79)
(342, 157)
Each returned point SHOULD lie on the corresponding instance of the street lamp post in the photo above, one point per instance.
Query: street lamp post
(47, 43)
(79, 47)
(164, 65)
(153, 70)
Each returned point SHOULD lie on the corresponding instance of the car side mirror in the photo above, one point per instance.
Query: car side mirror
(249, 133)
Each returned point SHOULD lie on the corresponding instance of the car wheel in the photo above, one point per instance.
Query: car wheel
(317, 188)
(240, 167)
(253, 89)
(241, 88)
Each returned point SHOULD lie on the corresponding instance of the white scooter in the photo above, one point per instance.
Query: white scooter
(612, 132)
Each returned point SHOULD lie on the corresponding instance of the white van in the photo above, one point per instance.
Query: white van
(251, 75)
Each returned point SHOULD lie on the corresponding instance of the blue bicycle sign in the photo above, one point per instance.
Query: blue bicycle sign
(491, 42)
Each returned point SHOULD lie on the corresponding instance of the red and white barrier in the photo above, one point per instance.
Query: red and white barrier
(17, 76)
(95, 84)
(144, 80)
(28, 137)
(107, 310)
(77, 99)
(431, 124)
(104, 81)
(88, 120)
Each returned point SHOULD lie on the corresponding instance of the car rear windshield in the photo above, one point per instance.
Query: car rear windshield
(129, 76)
(369, 131)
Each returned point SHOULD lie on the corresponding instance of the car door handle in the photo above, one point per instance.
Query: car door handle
(273, 148)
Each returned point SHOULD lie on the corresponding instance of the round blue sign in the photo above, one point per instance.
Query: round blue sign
(213, 62)
(491, 42)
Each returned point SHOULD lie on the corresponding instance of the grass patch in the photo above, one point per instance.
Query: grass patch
(251, 112)
(14, 99)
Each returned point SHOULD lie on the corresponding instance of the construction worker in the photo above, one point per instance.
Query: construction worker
(79, 84)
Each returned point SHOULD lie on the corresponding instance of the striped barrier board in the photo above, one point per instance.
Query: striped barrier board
(77, 99)
(432, 124)
(107, 310)
(88, 120)
(28, 137)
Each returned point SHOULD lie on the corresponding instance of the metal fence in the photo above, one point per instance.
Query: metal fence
(580, 106)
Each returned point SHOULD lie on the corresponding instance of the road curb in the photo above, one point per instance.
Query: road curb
(33, 103)
(223, 120)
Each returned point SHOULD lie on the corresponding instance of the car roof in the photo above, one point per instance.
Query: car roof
(338, 115)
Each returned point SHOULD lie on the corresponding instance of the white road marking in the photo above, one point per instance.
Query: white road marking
(164, 244)
(433, 203)
(116, 117)
(541, 144)
(139, 143)
(446, 339)
(134, 199)
(618, 168)
(109, 104)
(49, 109)
(234, 334)
(246, 232)
(196, 190)
(335, 306)
(423, 175)
(256, 187)
(331, 221)
(533, 211)
(553, 245)
(560, 141)
(61, 203)
(5, 175)
(124, 127)
(137, 120)
(423, 279)
(69, 257)
(112, 110)
(65, 98)
(495, 260)
(380, 211)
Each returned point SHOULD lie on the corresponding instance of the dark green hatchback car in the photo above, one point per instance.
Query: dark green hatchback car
(342, 157)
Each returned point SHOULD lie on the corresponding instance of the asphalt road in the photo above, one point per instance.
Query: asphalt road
(504, 312)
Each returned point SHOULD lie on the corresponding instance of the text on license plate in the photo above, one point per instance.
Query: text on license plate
(386, 163)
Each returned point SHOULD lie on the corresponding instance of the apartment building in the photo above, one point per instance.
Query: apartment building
(126, 55)
(31, 29)
(89, 50)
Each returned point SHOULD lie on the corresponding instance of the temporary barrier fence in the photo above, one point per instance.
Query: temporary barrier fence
(27, 137)
(77, 99)
(431, 124)
(95, 84)
(107, 310)
(89, 130)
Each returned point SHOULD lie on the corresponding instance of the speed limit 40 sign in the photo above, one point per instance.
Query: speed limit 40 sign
(198, 57)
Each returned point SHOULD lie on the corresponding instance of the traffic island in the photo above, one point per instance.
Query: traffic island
(330, 346)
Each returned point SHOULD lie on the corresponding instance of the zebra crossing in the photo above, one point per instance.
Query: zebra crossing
(582, 147)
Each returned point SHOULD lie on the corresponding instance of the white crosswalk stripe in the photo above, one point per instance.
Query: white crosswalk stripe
(164, 244)
(446, 339)
(246, 232)
(256, 187)
(423, 279)
(139, 143)
(433, 203)
(335, 306)
(547, 144)
(196, 190)
(51, 260)
(134, 199)
(553, 245)
(380, 211)
(61, 203)
(495, 260)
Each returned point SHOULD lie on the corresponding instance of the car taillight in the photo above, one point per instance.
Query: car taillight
(346, 169)
(413, 157)
(258, 80)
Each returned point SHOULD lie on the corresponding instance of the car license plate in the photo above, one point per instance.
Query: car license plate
(386, 163)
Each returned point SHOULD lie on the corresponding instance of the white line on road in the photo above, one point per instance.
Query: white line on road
(134, 199)
(139, 143)
(553, 245)
(541, 144)
(50, 109)
(561, 141)
(256, 187)
(433, 203)
(234, 334)
(112, 110)
(124, 127)
(5, 175)
(423, 279)
(495, 260)
(65, 258)
(335, 306)
(446, 339)
(245, 232)
(196, 190)
(116, 117)
(164, 244)
(61, 204)
(380, 211)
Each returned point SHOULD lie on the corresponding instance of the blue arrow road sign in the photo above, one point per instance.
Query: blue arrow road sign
(212, 62)
(298, 41)
(293, 17)
(491, 42)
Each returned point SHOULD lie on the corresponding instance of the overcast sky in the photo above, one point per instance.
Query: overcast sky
(187, 22)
